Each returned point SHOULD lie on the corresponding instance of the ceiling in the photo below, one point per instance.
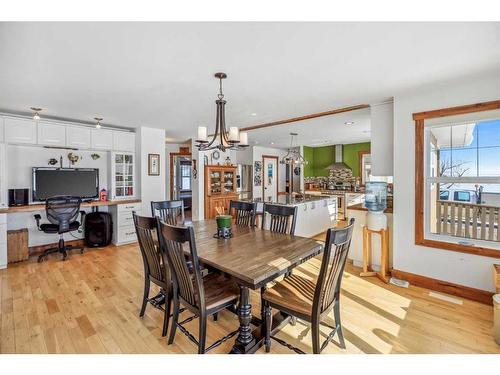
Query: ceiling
(161, 74)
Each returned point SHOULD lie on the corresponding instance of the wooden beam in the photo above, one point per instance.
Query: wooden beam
(460, 110)
(474, 294)
(306, 117)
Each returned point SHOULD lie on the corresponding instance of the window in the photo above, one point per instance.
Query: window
(186, 176)
(457, 197)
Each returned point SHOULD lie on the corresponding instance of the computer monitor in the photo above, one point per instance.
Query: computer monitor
(79, 182)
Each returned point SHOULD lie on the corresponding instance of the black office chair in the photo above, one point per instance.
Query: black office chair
(62, 212)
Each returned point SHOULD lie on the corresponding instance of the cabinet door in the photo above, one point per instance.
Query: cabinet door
(123, 175)
(77, 136)
(1, 130)
(123, 141)
(3, 176)
(215, 204)
(20, 130)
(215, 181)
(101, 139)
(50, 134)
(229, 182)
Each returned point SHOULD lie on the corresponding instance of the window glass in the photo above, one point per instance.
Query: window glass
(444, 195)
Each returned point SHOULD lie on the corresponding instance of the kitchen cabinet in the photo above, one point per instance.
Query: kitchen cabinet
(220, 188)
(3, 241)
(3, 176)
(101, 139)
(123, 222)
(122, 175)
(50, 134)
(123, 141)
(20, 130)
(1, 129)
(78, 137)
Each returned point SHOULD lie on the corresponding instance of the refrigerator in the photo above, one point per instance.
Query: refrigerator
(244, 181)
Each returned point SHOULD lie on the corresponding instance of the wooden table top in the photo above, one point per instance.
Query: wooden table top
(41, 207)
(252, 256)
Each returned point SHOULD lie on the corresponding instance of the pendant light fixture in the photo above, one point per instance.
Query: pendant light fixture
(36, 116)
(222, 139)
(293, 157)
(98, 123)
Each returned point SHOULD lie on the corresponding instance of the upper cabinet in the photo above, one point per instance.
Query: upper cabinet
(51, 134)
(1, 130)
(101, 139)
(20, 130)
(123, 141)
(78, 137)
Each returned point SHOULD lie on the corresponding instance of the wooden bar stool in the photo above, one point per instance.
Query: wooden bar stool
(367, 253)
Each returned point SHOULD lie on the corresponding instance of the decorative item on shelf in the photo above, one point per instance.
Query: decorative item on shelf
(293, 156)
(95, 156)
(153, 164)
(224, 224)
(214, 156)
(73, 158)
(60, 161)
(227, 161)
(257, 176)
(103, 195)
(53, 161)
(195, 171)
(205, 160)
(227, 140)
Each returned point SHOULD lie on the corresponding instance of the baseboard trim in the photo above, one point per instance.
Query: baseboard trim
(35, 250)
(478, 295)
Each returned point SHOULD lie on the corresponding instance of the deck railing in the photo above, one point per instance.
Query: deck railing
(467, 220)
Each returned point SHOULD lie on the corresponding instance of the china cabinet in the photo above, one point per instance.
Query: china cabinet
(220, 189)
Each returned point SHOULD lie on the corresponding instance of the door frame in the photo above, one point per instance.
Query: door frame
(171, 155)
(264, 171)
(360, 165)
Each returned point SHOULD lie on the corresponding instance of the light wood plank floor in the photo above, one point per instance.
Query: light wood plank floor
(90, 304)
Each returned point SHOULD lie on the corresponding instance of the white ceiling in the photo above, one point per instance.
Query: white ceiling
(161, 74)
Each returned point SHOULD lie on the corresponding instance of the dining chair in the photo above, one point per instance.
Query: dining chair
(156, 268)
(204, 297)
(312, 300)
(282, 218)
(244, 213)
(168, 211)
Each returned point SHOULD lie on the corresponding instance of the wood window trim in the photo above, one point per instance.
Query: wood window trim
(360, 165)
(419, 119)
(183, 151)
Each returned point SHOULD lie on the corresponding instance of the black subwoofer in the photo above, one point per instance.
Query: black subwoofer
(98, 229)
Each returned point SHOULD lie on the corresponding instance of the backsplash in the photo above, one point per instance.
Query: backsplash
(335, 175)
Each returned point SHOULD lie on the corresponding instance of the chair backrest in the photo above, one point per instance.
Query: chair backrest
(168, 211)
(62, 210)
(244, 212)
(280, 218)
(155, 261)
(189, 286)
(337, 246)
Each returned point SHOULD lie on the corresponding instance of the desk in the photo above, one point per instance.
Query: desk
(252, 257)
(41, 207)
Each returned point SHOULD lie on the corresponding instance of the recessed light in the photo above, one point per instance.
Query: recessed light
(349, 123)
(253, 114)
(271, 143)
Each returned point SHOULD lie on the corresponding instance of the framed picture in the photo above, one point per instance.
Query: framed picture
(153, 164)
(257, 173)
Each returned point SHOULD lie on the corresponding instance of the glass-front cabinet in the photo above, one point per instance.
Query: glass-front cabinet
(122, 177)
(220, 189)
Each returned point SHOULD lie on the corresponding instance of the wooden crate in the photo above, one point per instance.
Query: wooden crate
(17, 245)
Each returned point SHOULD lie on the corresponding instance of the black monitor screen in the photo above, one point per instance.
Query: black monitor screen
(79, 182)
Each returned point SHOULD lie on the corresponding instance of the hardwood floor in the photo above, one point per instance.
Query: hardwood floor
(90, 304)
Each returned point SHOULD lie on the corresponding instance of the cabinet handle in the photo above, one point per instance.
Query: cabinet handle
(129, 233)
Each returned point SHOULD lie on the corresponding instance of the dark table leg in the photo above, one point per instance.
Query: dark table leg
(245, 340)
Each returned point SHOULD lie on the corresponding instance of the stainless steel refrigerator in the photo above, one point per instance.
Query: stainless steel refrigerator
(244, 181)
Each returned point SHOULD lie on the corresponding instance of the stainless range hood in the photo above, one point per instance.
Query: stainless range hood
(339, 164)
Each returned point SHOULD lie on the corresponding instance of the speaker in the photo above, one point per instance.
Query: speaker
(98, 229)
(18, 197)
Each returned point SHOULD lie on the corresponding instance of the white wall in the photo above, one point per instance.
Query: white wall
(382, 123)
(152, 188)
(258, 151)
(460, 268)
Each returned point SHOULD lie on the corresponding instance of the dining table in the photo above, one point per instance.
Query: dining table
(252, 257)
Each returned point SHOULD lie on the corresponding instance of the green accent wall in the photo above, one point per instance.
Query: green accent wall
(321, 157)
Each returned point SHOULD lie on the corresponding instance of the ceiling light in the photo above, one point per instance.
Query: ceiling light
(98, 123)
(272, 143)
(253, 114)
(36, 116)
(293, 156)
(349, 123)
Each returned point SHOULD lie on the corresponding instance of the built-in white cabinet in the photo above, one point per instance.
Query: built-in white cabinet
(122, 175)
(3, 176)
(123, 222)
(3, 241)
(51, 134)
(78, 137)
(20, 130)
(101, 139)
(123, 141)
(1, 130)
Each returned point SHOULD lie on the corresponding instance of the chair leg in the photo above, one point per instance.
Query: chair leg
(175, 319)
(338, 323)
(166, 316)
(216, 316)
(203, 334)
(315, 336)
(268, 317)
(145, 297)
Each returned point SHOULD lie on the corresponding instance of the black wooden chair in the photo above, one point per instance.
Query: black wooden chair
(313, 300)
(282, 219)
(168, 211)
(204, 297)
(244, 213)
(156, 268)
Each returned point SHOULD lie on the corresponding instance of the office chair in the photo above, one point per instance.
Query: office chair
(62, 212)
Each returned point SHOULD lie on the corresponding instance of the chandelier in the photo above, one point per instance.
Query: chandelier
(293, 157)
(221, 139)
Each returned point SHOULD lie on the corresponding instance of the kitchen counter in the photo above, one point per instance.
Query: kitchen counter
(286, 200)
(361, 207)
